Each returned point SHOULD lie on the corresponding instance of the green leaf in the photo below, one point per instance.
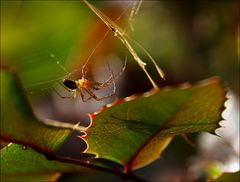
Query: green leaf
(44, 32)
(20, 125)
(24, 164)
(18, 122)
(233, 177)
(134, 133)
(31, 178)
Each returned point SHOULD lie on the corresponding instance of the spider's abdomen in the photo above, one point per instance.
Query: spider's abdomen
(70, 84)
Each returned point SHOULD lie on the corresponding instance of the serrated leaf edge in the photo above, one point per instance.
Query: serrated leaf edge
(151, 92)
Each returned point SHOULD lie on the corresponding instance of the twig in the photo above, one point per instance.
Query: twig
(51, 156)
(123, 37)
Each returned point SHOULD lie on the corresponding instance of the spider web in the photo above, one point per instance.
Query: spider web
(50, 33)
(40, 30)
(44, 40)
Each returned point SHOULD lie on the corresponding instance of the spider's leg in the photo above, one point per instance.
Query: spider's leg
(110, 80)
(97, 85)
(84, 70)
(102, 98)
(72, 92)
(63, 97)
(113, 83)
(92, 94)
(82, 96)
(123, 68)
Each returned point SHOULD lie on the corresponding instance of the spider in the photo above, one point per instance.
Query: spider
(85, 84)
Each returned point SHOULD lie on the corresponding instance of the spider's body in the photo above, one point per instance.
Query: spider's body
(83, 83)
(74, 84)
(89, 86)
(70, 84)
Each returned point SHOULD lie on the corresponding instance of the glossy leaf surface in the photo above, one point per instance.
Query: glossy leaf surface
(131, 133)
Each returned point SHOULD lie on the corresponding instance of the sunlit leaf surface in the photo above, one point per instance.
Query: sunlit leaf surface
(133, 133)
(229, 177)
(18, 122)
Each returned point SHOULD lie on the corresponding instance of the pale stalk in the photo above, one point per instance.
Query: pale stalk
(122, 35)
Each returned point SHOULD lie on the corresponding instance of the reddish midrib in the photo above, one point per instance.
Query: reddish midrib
(131, 161)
